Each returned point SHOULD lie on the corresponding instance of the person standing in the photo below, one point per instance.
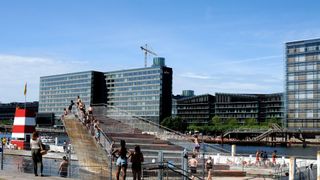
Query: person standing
(136, 160)
(274, 156)
(122, 160)
(63, 168)
(36, 147)
(70, 106)
(209, 164)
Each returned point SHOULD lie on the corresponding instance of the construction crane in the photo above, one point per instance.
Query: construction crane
(146, 51)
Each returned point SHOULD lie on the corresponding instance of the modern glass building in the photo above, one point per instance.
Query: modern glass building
(196, 109)
(57, 91)
(144, 92)
(302, 98)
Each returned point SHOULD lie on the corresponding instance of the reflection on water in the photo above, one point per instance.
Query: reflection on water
(24, 164)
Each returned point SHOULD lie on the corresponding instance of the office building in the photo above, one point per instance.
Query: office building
(175, 98)
(57, 91)
(302, 87)
(196, 109)
(144, 92)
(249, 106)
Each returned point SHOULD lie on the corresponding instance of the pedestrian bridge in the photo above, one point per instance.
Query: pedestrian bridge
(116, 125)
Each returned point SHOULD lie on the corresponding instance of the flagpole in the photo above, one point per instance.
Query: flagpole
(25, 96)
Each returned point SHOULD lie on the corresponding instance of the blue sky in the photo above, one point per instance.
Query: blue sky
(213, 46)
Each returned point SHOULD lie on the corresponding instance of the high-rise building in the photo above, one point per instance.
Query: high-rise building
(57, 91)
(302, 97)
(144, 92)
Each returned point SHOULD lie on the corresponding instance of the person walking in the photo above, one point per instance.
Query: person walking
(63, 168)
(209, 164)
(36, 147)
(136, 160)
(122, 160)
(193, 164)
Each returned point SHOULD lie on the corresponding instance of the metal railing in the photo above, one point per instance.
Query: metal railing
(150, 127)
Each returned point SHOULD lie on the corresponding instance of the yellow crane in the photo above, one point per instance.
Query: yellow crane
(146, 51)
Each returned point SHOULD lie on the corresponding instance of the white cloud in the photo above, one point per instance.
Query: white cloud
(16, 70)
(196, 76)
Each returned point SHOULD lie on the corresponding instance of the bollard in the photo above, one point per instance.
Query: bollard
(160, 160)
(233, 150)
(292, 168)
(56, 141)
(318, 165)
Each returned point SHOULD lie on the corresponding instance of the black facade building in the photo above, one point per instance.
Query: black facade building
(7, 110)
(246, 106)
(201, 109)
(196, 109)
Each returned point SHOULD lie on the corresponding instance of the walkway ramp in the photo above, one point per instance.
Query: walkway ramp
(93, 159)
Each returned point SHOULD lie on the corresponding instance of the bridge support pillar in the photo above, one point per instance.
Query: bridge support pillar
(292, 168)
(160, 160)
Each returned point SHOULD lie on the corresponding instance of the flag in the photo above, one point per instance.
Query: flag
(25, 89)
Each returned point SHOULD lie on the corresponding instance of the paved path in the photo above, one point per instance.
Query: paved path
(4, 175)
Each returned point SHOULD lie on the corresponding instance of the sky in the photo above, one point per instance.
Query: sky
(228, 46)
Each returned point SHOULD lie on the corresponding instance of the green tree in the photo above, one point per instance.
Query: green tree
(216, 121)
(232, 123)
(250, 122)
(175, 123)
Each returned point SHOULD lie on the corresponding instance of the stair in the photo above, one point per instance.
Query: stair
(91, 156)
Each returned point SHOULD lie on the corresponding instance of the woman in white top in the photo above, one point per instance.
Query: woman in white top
(35, 144)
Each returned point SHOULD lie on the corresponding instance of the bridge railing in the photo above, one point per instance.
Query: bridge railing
(150, 127)
(145, 125)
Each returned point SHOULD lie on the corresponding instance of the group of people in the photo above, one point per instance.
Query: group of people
(38, 150)
(193, 164)
(122, 155)
(262, 158)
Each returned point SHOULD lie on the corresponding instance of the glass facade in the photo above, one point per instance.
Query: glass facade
(302, 99)
(57, 91)
(144, 92)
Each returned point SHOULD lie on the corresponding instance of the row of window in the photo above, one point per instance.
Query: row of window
(131, 74)
(72, 86)
(303, 67)
(133, 79)
(302, 49)
(137, 98)
(304, 86)
(139, 83)
(64, 83)
(303, 77)
(136, 88)
(303, 58)
(64, 78)
(139, 93)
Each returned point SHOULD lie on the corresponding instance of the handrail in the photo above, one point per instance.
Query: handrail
(168, 165)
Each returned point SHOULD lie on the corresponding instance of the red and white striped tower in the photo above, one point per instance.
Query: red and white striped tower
(23, 126)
